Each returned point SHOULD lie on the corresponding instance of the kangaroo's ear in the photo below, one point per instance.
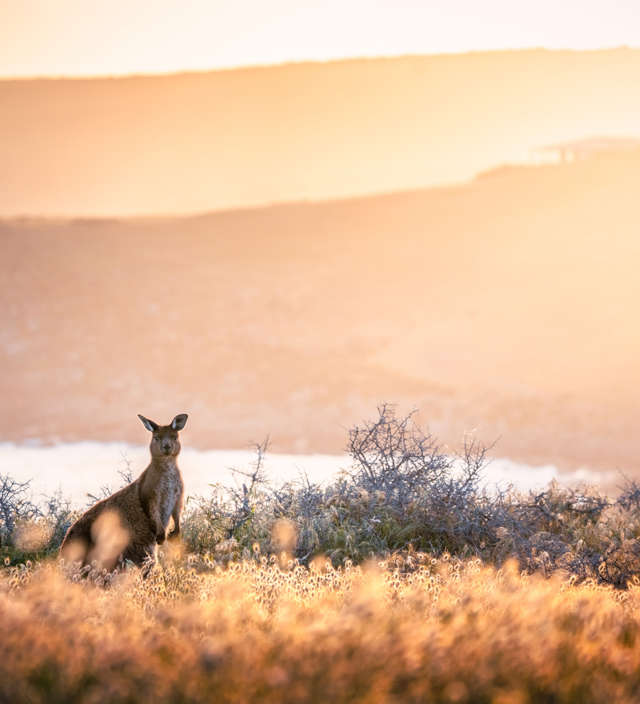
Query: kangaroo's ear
(179, 422)
(148, 424)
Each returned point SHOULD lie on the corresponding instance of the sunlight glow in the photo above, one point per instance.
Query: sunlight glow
(69, 37)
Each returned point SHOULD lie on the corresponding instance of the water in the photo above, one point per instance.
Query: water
(79, 468)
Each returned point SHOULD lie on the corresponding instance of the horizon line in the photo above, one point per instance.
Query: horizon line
(343, 199)
(305, 61)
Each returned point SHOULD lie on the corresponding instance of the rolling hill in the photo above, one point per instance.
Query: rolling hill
(312, 131)
(505, 305)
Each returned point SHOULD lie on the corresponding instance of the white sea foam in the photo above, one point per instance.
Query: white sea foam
(79, 468)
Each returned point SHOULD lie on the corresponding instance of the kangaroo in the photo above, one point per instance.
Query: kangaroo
(130, 523)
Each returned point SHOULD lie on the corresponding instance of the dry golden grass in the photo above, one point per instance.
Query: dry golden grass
(410, 630)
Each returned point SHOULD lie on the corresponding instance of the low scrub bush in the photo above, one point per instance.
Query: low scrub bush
(402, 494)
(29, 530)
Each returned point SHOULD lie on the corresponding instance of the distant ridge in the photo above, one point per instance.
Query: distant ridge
(192, 142)
(307, 62)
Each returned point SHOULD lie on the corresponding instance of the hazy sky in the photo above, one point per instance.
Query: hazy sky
(80, 37)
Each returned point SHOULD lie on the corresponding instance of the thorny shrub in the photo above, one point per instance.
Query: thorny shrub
(404, 492)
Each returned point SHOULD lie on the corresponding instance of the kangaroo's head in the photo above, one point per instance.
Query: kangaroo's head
(164, 441)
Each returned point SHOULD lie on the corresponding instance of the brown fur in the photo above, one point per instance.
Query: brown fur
(130, 523)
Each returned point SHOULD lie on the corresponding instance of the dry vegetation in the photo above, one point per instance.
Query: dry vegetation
(401, 581)
(414, 629)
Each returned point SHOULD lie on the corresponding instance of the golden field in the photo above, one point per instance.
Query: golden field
(403, 580)
(411, 629)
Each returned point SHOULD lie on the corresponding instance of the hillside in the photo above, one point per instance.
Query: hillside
(505, 305)
(228, 139)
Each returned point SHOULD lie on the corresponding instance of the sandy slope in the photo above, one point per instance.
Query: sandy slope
(507, 305)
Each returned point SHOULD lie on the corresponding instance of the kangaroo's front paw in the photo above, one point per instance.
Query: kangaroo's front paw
(174, 534)
(160, 538)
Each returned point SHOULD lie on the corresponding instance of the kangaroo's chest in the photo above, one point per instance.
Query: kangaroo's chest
(168, 487)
